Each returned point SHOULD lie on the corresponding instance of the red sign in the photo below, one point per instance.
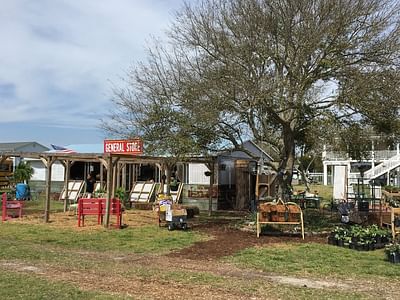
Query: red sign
(134, 146)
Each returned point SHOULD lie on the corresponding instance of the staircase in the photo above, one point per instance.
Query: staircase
(383, 168)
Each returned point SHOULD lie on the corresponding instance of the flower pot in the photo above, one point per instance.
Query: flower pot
(394, 258)
(331, 240)
(359, 247)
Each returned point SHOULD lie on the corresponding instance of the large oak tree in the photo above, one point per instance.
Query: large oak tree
(269, 70)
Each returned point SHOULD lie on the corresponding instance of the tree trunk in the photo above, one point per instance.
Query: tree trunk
(285, 171)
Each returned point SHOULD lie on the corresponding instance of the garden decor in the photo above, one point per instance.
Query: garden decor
(279, 213)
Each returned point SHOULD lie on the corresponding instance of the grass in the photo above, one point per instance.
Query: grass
(121, 261)
(324, 191)
(22, 286)
(317, 260)
(146, 239)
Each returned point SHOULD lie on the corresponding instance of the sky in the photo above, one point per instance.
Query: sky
(60, 59)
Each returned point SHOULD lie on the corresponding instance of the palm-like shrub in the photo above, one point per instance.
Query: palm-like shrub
(23, 172)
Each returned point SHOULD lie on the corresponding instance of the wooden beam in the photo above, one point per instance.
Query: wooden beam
(109, 188)
(67, 169)
(48, 162)
(3, 158)
(101, 175)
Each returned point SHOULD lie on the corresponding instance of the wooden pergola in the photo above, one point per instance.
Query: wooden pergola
(108, 161)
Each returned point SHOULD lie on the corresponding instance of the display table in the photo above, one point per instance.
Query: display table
(280, 213)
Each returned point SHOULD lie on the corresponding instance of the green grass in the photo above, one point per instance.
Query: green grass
(317, 260)
(324, 191)
(93, 252)
(21, 286)
(37, 206)
(150, 239)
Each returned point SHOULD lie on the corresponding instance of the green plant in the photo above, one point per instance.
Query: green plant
(340, 233)
(99, 192)
(391, 188)
(392, 248)
(23, 172)
(120, 193)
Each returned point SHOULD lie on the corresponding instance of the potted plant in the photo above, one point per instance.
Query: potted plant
(392, 252)
(340, 236)
(22, 174)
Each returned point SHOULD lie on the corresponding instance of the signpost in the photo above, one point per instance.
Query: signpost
(129, 147)
(133, 146)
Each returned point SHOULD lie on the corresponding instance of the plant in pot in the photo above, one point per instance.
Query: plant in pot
(101, 192)
(382, 237)
(355, 233)
(22, 174)
(392, 252)
(340, 236)
(333, 236)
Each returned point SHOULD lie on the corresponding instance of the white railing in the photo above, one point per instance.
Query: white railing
(384, 155)
(383, 167)
(335, 156)
(379, 156)
(317, 177)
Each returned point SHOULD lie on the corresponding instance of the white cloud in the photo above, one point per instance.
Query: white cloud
(60, 56)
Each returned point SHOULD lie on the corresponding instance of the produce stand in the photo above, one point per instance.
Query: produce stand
(279, 213)
(171, 215)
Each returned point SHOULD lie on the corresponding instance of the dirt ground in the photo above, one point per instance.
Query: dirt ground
(201, 257)
(227, 241)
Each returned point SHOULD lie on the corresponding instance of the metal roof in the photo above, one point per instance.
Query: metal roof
(18, 146)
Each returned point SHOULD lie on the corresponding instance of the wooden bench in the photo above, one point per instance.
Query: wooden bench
(97, 207)
(10, 205)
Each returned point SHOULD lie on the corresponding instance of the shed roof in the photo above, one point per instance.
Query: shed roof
(21, 146)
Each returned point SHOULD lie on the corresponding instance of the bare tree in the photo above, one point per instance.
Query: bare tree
(265, 70)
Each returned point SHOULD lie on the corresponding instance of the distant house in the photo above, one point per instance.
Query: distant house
(7, 166)
(22, 147)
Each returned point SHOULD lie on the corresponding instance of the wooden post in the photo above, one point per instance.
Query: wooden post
(168, 179)
(123, 175)
(101, 175)
(211, 190)
(109, 191)
(114, 177)
(211, 167)
(242, 184)
(118, 175)
(66, 164)
(48, 162)
(111, 172)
